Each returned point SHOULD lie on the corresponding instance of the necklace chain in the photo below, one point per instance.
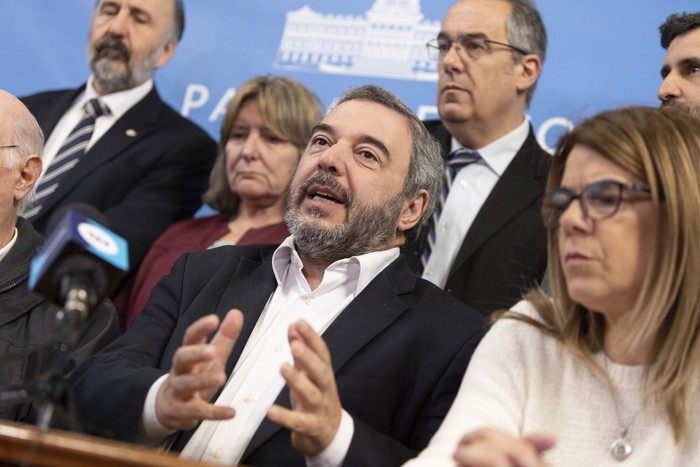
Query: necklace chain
(620, 449)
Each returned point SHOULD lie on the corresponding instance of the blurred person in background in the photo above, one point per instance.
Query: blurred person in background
(264, 132)
(113, 143)
(680, 72)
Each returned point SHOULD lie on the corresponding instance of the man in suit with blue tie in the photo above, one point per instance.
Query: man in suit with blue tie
(487, 242)
(112, 142)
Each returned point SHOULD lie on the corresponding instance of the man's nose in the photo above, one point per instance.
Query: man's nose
(669, 88)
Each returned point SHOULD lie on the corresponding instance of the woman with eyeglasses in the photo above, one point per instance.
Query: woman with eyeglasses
(606, 370)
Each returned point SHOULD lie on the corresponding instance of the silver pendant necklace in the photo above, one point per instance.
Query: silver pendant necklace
(620, 449)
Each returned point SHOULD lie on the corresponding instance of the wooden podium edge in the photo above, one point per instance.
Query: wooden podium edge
(60, 448)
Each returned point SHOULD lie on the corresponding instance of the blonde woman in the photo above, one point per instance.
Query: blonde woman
(606, 370)
(266, 128)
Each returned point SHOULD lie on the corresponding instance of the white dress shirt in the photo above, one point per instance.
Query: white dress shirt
(470, 188)
(118, 102)
(256, 381)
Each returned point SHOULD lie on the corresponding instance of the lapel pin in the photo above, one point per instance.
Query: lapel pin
(131, 133)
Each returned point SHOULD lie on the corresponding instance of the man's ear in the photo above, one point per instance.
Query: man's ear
(28, 172)
(413, 210)
(168, 52)
(530, 67)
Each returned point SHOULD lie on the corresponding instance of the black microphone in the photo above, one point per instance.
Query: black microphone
(81, 262)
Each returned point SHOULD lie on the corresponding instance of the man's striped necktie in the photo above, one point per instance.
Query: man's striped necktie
(457, 160)
(68, 155)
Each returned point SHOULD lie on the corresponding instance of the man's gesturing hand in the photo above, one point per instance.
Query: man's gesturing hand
(198, 371)
(316, 409)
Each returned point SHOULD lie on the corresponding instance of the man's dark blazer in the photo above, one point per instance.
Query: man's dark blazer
(505, 250)
(148, 171)
(399, 351)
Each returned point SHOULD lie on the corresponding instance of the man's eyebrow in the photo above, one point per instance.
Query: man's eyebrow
(690, 61)
(470, 35)
(322, 127)
(375, 142)
(362, 139)
(682, 64)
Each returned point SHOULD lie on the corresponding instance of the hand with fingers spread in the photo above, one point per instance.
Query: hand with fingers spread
(198, 371)
(488, 447)
(316, 411)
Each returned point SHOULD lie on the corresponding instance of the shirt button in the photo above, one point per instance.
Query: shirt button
(308, 300)
(248, 399)
(217, 453)
(464, 183)
(279, 348)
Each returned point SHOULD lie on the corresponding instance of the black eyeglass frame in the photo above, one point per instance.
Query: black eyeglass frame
(444, 44)
(552, 211)
(9, 146)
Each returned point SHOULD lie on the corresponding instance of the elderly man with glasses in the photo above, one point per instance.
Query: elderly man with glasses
(487, 242)
(26, 320)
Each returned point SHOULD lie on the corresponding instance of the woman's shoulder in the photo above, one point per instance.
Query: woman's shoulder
(523, 331)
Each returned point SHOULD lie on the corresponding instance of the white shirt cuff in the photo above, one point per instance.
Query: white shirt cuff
(334, 454)
(150, 431)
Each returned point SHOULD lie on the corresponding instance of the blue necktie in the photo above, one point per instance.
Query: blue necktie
(457, 160)
(68, 155)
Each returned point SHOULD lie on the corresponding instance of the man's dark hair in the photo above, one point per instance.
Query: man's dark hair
(426, 167)
(677, 24)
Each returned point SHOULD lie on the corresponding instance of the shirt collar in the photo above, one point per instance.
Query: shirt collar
(118, 102)
(370, 264)
(498, 154)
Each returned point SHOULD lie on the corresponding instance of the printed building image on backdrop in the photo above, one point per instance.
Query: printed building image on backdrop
(388, 41)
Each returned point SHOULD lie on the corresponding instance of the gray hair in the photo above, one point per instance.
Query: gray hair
(525, 29)
(21, 129)
(179, 21)
(678, 24)
(427, 166)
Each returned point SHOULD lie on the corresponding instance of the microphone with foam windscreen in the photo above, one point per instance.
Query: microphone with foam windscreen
(81, 262)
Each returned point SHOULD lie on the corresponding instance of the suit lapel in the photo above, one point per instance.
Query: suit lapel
(54, 109)
(515, 190)
(139, 120)
(248, 289)
(370, 313)
(438, 130)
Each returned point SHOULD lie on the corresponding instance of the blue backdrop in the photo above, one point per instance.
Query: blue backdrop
(602, 54)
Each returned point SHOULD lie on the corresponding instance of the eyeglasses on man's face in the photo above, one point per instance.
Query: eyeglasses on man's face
(473, 45)
(10, 146)
(599, 200)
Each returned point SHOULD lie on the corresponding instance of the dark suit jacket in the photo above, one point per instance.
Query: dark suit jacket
(505, 250)
(399, 352)
(142, 183)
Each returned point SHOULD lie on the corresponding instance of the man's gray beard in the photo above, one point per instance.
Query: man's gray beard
(111, 77)
(693, 110)
(366, 229)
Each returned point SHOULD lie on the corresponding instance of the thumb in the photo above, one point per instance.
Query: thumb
(541, 442)
(225, 338)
